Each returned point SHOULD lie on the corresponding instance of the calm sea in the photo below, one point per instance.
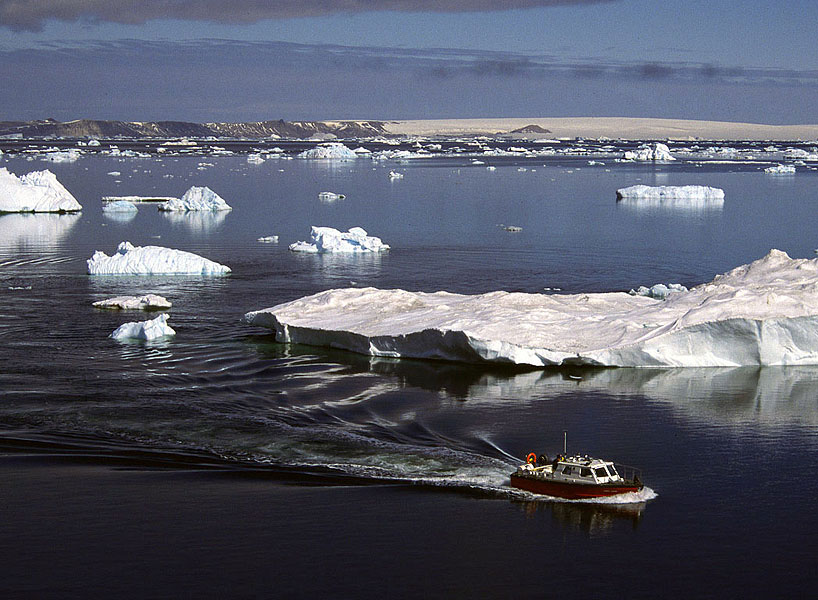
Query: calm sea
(220, 463)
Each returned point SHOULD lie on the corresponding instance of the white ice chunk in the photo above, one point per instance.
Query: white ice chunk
(196, 198)
(38, 191)
(660, 291)
(327, 239)
(780, 170)
(670, 192)
(270, 239)
(656, 151)
(330, 196)
(395, 175)
(334, 150)
(144, 330)
(62, 156)
(763, 313)
(255, 159)
(152, 260)
(146, 302)
(119, 206)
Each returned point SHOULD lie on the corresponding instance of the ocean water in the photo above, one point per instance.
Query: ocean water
(394, 468)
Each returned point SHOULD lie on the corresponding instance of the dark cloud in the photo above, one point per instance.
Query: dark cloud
(31, 14)
(227, 80)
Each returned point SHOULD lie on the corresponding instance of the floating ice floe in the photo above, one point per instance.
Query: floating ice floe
(119, 206)
(38, 191)
(144, 330)
(152, 260)
(660, 291)
(138, 199)
(255, 159)
(146, 302)
(327, 239)
(395, 175)
(780, 170)
(196, 198)
(62, 156)
(512, 228)
(270, 239)
(656, 151)
(334, 150)
(670, 192)
(330, 196)
(763, 313)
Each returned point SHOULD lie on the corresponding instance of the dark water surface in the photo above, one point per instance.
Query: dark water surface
(219, 463)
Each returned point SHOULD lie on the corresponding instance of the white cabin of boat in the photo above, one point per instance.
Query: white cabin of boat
(574, 469)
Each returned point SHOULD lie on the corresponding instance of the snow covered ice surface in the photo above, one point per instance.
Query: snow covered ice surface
(196, 198)
(660, 291)
(763, 313)
(646, 152)
(38, 191)
(334, 150)
(327, 239)
(144, 330)
(146, 302)
(152, 260)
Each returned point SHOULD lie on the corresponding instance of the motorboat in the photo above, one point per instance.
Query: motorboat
(575, 477)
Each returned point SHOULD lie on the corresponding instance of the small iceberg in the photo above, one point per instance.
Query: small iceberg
(196, 198)
(395, 175)
(330, 196)
(119, 206)
(780, 170)
(270, 239)
(38, 191)
(327, 239)
(152, 260)
(144, 330)
(670, 192)
(146, 302)
(255, 159)
(334, 150)
(62, 156)
(648, 152)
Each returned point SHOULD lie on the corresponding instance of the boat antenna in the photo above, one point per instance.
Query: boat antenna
(565, 443)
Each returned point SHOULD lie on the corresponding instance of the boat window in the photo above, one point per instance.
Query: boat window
(612, 470)
(585, 472)
(601, 472)
(567, 470)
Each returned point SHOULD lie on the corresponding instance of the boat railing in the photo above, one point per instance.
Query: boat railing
(629, 473)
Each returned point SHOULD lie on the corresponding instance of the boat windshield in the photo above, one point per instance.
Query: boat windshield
(612, 470)
(601, 472)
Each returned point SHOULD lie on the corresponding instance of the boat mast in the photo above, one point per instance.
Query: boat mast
(565, 443)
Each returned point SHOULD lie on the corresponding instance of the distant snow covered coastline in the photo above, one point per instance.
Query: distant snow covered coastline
(763, 313)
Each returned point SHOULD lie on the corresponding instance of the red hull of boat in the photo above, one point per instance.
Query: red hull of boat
(571, 491)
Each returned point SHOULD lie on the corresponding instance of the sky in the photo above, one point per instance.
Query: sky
(253, 60)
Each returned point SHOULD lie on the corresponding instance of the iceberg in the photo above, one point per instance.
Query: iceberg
(144, 330)
(268, 239)
(780, 170)
(255, 159)
(119, 206)
(656, 151)
(395, 175)
(330, 196)
(62, 156)
(196, 198)
(38, 191)
(327, 239)
(334, 150)
(146, 302)
(152, 260)
(762, 313)
(670, 192)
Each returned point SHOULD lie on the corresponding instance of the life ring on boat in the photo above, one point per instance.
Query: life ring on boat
(531, 459)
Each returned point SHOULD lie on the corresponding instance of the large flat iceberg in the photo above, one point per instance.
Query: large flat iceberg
(328, 239)
(152, 260)
(196, 198)
(764, 313)
(38, 191)
(670, 192)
